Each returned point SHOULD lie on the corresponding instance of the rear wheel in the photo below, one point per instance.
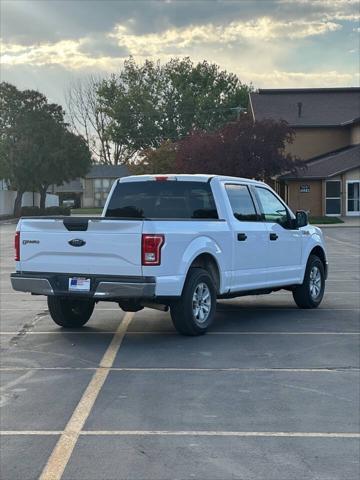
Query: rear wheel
(310, 293)
(194, 312)
(70, 313)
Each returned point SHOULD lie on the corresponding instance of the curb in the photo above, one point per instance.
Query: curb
(9, 221)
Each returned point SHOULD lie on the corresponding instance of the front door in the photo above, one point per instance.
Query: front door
(250, 245)
(353, 197)
(285, 245)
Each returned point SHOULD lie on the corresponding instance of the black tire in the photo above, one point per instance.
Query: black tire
(70, 313)
(182, 311)
(303, 295)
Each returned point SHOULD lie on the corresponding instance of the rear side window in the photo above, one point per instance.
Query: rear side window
(167, 199)
(241, 203)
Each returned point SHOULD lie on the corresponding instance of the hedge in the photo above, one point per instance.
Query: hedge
(41, 212)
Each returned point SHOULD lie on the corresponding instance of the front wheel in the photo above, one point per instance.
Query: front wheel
(70, 313)
(310, 293)
(195, 311)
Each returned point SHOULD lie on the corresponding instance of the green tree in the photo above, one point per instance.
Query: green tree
(36, 148)
(151, 103)
(159, 160)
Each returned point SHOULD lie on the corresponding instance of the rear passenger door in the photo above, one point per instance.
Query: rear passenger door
(284, 242)
(250, 239)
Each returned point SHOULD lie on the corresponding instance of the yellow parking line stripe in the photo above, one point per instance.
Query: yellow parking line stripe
(60, 456)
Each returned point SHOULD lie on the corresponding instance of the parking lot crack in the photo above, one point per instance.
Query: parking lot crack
(27, 327)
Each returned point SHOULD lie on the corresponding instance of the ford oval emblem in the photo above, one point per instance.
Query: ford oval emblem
(77, 242)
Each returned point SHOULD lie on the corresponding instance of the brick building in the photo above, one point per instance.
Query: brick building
(326, 122)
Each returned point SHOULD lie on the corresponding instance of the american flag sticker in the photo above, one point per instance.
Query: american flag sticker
(79, 284)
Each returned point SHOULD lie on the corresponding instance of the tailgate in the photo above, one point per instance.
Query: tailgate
(92, 246)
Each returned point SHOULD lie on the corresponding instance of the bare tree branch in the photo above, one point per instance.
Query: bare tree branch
(88, 118)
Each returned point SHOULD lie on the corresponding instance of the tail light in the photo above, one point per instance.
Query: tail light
(151, 249)
(17, 246)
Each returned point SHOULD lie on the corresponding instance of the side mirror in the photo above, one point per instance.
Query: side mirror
(302, 218)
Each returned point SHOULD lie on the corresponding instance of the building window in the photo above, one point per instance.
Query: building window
(353, 197)
(100, 198)
(102, 187)
(333, 197)
(102, 184)
(97, 185)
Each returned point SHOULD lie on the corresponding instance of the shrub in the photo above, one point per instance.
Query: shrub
(49, 211)
(30, 211)
(57, 211)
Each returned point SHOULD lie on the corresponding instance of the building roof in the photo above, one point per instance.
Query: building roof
(108, 171)
(74, 186)
(307, 107)
(328, 165)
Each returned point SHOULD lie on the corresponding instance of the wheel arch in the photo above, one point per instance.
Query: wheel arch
(320, 253)
(208, 262)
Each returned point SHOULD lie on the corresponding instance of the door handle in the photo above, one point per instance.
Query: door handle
(242, 237)
(273, 236)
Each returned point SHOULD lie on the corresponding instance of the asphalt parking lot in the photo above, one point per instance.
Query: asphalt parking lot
(271, 393)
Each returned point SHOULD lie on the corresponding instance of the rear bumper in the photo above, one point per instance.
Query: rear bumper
(101, 287)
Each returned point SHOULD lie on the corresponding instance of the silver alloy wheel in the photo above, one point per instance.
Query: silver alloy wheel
(201, 303)
(315, 282)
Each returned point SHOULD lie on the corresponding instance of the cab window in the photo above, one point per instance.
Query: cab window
(162, 200)
(241, 203)
(272, 210)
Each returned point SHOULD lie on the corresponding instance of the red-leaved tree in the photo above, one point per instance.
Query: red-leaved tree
(244, 149)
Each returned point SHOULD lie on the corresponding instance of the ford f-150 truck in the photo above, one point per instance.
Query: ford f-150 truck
(178, 241)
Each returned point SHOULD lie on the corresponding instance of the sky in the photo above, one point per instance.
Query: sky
(49, 44)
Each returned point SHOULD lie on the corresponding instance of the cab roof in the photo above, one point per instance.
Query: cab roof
(186, 177)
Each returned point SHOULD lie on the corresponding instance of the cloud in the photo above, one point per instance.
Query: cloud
(277, 78)
(35, 21)
(72, 54)
(103, 50)
(336, 10)
(262, 29)
(99, 46)
(270, 43)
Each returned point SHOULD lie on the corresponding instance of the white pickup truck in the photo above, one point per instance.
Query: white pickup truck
(178, 241)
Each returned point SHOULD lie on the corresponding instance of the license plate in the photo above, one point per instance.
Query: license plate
(79, 284)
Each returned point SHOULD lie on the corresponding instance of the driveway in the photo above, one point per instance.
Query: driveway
(271, 393)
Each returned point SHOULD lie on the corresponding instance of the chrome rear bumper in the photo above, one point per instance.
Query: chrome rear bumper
(40, 286)
(102, 288)
(124, 290)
